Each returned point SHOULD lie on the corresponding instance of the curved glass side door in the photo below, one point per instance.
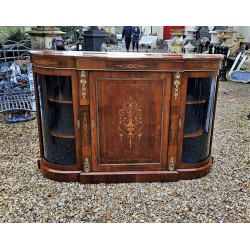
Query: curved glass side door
(200, 104)
(57, 119)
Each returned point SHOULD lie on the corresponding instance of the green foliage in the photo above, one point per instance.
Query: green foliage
(15, 33)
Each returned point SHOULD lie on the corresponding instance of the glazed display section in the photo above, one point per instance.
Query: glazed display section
(57, 121)
(125, 117)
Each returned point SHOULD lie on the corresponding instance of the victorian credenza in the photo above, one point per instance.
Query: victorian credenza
(125, 117)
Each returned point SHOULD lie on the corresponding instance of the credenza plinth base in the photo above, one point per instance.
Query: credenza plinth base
(123, 176)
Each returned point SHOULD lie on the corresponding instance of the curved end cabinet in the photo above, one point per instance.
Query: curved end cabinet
(125, 117)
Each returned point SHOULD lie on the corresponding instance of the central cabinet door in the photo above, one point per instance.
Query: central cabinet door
(129, 120)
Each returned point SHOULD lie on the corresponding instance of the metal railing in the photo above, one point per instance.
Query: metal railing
(17, 98)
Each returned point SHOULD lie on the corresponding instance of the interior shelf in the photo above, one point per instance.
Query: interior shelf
(60, 135)
(51, 99)
(195, 134)
(190, 102)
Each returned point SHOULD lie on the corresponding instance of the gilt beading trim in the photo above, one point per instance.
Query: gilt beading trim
(83, 83)
(176, 84)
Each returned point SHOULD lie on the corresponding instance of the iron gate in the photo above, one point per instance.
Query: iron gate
(17, 99)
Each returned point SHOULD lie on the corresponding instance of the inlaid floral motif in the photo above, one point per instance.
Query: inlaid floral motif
(130, 123)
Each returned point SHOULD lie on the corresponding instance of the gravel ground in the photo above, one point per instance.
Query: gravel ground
(220, 197)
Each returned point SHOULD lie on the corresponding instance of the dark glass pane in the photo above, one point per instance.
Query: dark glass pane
(59, 150)
(196, 149)
(59, 87)
(198, 88)
(198, 119)
(61, 118)
(194, 117)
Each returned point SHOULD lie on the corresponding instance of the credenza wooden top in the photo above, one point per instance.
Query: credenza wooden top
(91, 60)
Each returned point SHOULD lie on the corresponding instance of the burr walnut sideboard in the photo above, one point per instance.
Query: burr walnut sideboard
(125, 117)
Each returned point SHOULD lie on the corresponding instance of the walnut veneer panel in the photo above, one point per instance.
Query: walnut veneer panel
(131, 129)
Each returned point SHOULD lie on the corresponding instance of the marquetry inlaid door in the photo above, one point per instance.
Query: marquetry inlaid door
(129, 120)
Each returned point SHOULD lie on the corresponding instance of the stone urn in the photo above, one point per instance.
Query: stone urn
(189, 47)
(177, 44)
(224, 35)
(214, 37)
